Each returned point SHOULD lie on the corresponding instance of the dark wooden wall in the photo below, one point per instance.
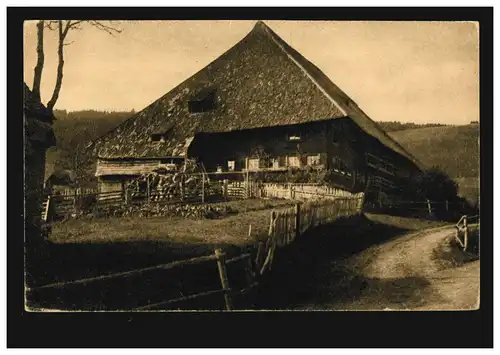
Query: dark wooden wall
(217, 148)
(341, 143)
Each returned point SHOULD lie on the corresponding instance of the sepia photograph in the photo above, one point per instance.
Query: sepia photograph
(251, 165)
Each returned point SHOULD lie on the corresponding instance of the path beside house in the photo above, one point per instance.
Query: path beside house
(419, 271)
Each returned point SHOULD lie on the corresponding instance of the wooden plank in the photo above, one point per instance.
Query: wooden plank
(221, 264)
(181, 299)
(171, 265)
(239, 257)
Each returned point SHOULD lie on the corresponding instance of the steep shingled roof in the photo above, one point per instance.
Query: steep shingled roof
(259, 82)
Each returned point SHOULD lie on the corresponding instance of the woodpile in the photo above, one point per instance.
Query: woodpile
(194, 211)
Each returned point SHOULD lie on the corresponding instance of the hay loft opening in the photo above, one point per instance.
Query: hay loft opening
(202, 101)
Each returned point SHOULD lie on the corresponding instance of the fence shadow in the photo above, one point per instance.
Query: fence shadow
(68, 262)
(301, 269)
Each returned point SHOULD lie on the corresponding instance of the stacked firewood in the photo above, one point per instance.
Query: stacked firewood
(170, 187)
(194, 211)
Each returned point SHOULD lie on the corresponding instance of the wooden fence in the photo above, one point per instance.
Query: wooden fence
(462, 227)
(74, 191)
(302, 192)
(65, 204)
(422, 208)
(286, 225)
(219, 256)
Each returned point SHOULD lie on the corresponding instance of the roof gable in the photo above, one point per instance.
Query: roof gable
(256, 85)
(259, 82)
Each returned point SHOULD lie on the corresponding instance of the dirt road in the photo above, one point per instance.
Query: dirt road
(419, 271)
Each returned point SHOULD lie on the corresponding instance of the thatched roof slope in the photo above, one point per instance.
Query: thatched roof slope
(259, 82)
(62, 177)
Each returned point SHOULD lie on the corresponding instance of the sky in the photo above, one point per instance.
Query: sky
(421, 72)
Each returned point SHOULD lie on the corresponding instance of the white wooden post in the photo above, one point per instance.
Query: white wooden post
(225, 189)
(466, 233)
(202, 188)
(247, 178)
(148, 189)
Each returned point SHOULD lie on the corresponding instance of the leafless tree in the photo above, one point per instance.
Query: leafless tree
(63, 27)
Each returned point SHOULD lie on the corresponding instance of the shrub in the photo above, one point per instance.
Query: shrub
(432, 184)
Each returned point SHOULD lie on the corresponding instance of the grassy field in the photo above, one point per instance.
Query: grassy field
(232, 229)
(453, 148)
(83, 248)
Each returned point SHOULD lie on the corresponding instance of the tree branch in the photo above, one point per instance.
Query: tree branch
(60, 66)
(109, 29)
(63, 28)
(37, 77)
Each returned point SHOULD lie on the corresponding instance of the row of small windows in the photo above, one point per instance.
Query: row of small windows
(276, 163)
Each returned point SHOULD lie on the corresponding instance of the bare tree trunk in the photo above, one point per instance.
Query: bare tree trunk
(37, 79)
(60, 66)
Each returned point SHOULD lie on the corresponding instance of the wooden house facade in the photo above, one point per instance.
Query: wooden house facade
(261, 106)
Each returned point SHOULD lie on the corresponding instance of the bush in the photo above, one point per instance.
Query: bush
(432, 184)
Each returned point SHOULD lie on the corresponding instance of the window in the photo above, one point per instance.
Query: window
(253, 164)
(294, 138)
(339, 166)
(204, 100)
(157, 137)
(231, 165)
(313, 160)
(294, 161)
(275, 163)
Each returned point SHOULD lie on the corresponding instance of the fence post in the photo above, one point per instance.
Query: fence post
(221, 264)
(466, 233)
(429, 207)
(225, 188)
(260, 254)
(202, 188)
(125, 194)
(447, 207)
(181, 187)
(297, 220)
(148, 189)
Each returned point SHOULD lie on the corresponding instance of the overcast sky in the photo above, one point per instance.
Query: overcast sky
(406, 71)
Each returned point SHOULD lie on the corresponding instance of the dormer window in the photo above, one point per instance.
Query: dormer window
(155, 137)
(203, 101)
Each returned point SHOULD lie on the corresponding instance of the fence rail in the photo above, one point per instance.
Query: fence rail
(222, 263)
(462, 226)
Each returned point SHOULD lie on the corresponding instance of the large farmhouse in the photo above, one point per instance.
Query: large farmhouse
(259, 106)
